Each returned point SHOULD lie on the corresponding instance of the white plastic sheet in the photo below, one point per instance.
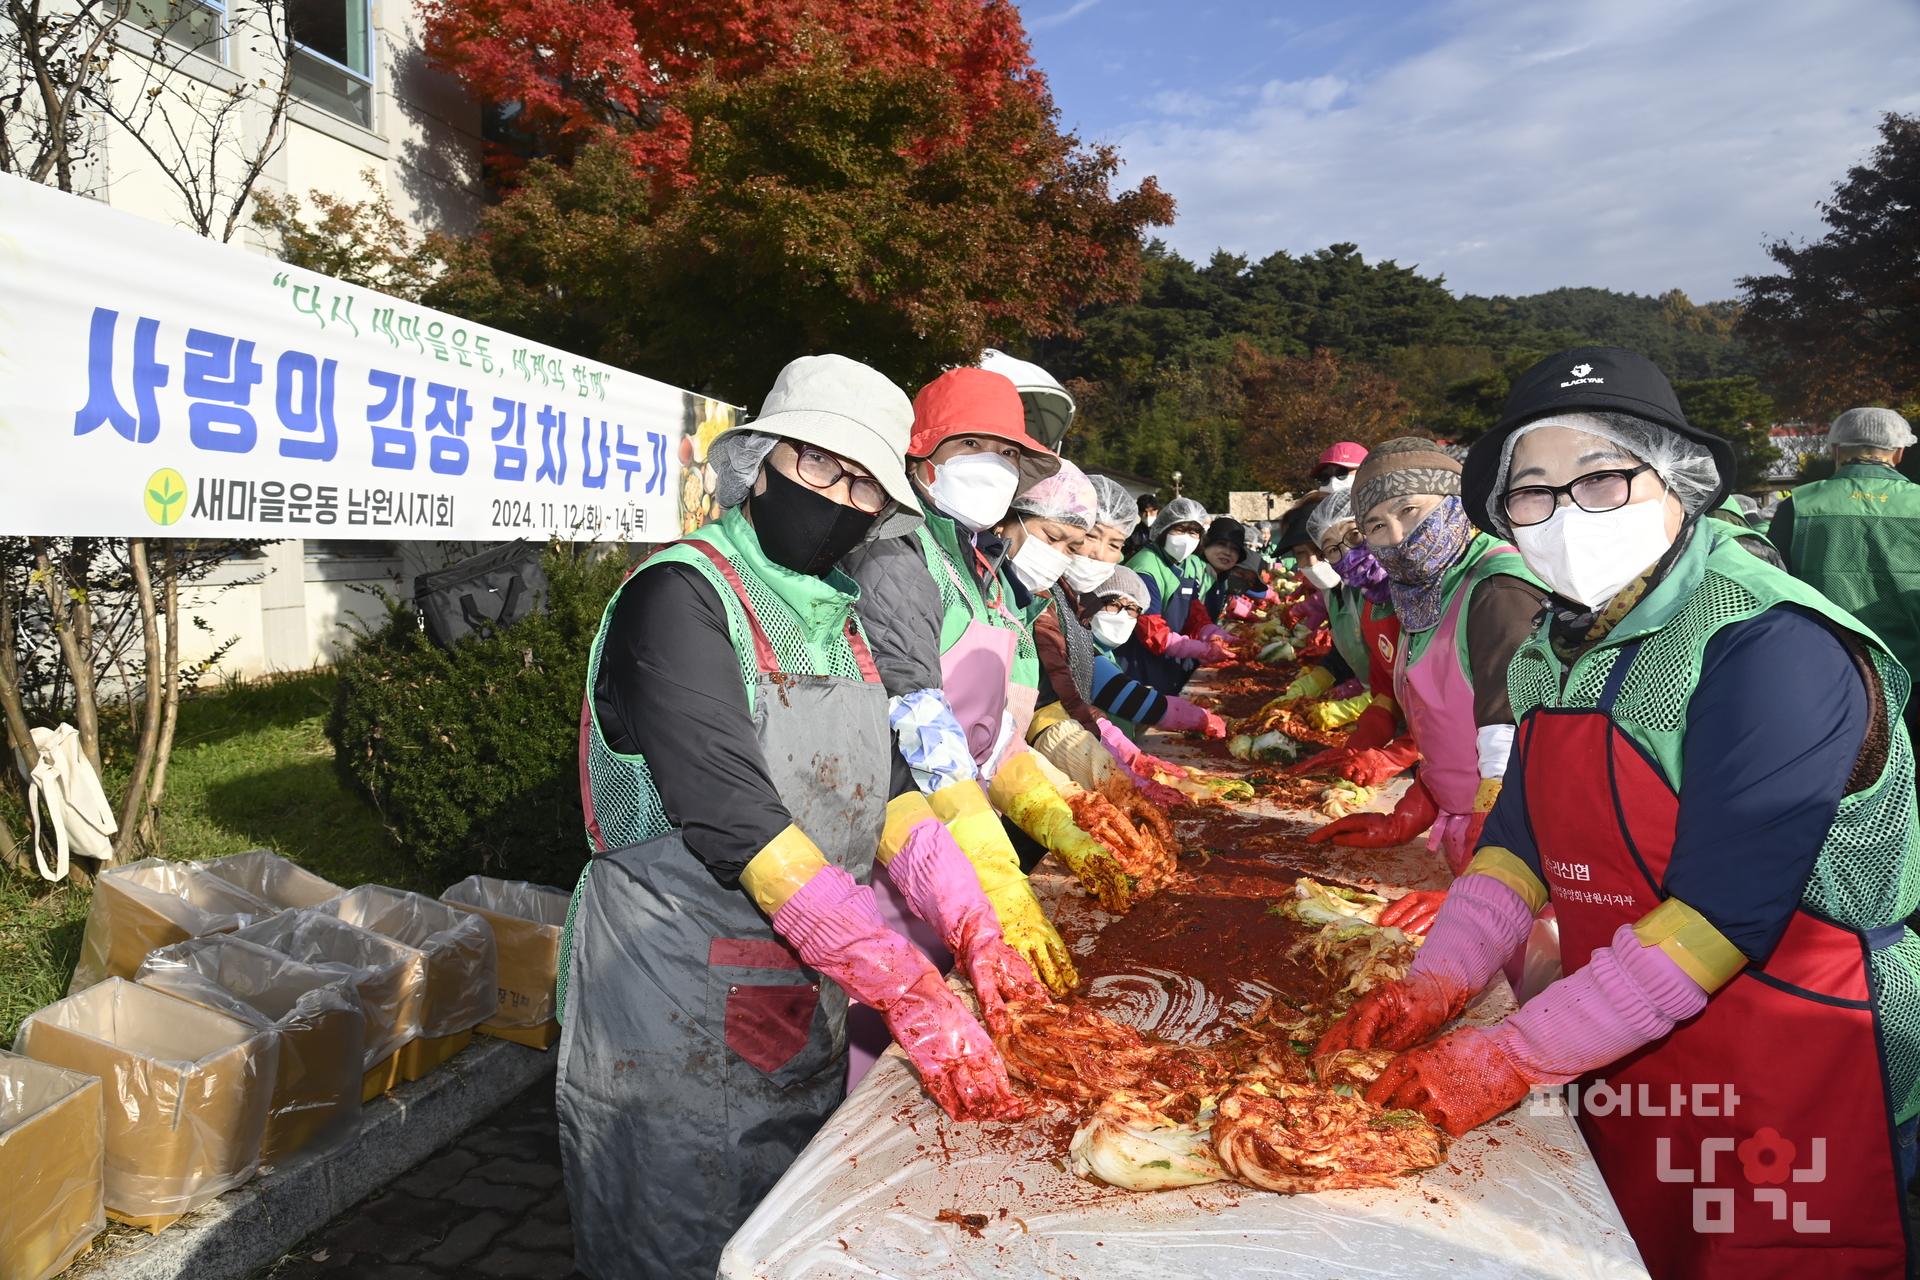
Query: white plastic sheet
(527, 921)
(314, 1012)
(1518, 1198)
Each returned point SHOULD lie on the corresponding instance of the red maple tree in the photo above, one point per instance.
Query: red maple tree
(579, 71)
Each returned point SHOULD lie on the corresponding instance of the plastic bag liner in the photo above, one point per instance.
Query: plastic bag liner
(390, 979)
(187, 1092)
(153, 903)
(527, 921)
(322, 1030)
(52, 1146)
(461, 990)
(271, 878)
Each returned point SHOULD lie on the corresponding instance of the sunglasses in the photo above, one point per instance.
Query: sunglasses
(1594, 492)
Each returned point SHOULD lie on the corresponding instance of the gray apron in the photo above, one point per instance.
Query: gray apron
(699, 1055)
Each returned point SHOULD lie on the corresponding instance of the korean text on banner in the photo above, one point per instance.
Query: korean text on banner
(154, 381)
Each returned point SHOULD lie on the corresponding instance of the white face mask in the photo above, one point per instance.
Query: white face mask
(1321, 575)
(1114, 629)
(1037, 565)
(1181, 545)
(975, 488)
(1587, 556)
(1084, 573)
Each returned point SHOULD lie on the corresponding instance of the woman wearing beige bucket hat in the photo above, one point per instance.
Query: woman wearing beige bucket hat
(734, 762)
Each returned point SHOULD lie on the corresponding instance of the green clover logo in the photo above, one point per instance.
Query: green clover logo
(166, 496)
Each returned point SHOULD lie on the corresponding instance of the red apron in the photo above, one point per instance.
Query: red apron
(1757, 1140)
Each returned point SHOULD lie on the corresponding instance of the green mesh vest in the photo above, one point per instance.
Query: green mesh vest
(625, 801)
(1343, 619)
(961, 602)
(1856, 540)
(1867, 875)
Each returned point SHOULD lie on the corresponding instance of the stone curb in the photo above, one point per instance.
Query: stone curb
(247, 1230)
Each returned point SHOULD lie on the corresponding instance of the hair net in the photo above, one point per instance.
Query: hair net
(1117, 507)
(1333, 508)
(1066, 495)
(1127, 584)
(1870, 429)
(1178, 511)
(1686, 468)
(736, 469)
(1748, 504)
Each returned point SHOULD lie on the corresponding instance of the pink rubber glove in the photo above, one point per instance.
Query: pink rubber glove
(1351, 687)
(1312, 611)
(1240, 608)
(1205, 652)
(833, 924)
(1625, 997)
(1479, 925)
(1213, 631)
(938, 882)
(1186, 717)
(1140, 767)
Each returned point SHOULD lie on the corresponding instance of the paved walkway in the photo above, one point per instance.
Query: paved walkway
(492, 1204)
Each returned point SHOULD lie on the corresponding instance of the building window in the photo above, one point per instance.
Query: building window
(196, 25)
(333, 56)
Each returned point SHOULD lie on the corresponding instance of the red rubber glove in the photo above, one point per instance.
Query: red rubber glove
(1414, 913)
(1414, 814)
(1460, 1081)
(1375, 765)
(1375, 727)
(1397, 1015)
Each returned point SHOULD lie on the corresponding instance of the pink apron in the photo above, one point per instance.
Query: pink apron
(1438, 701)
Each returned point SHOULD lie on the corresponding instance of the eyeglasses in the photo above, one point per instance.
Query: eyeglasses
(1121, 606)
(823, 471)
(1335, 548)
(1595, 492)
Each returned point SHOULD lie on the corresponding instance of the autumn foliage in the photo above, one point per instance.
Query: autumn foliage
(1294, 406)
(581, 71)
(894, 187)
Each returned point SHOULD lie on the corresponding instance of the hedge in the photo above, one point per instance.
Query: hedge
(470, 754)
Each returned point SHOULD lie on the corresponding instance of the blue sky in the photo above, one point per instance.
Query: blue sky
(1511, 145)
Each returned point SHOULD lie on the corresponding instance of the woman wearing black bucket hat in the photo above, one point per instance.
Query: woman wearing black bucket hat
(1733, 854)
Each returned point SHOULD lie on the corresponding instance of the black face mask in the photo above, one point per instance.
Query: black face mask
(801, 528)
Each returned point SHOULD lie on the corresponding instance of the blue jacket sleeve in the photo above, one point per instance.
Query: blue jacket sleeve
(1120, 695)
(1773, 732)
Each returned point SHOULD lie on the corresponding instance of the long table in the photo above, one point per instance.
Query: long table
(891, 1188)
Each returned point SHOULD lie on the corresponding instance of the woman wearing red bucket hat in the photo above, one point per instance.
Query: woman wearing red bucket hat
(960, 663)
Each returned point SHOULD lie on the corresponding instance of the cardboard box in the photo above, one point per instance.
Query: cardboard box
(461, 963)
(381, 1076)
(527, 921)
(52, 1152)
(272, 879)
(153, 903)
(186, 1093)
(425, 1055)
(390, 979)
(314, 1011)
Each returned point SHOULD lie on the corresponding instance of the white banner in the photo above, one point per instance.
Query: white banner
(154, 381)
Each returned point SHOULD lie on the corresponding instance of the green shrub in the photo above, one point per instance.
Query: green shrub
(470, 754)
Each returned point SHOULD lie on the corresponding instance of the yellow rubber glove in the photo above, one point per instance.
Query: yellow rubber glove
(976, 829)
(1021, 791)
(1310, 683)
(782, 866)
(1326, 716)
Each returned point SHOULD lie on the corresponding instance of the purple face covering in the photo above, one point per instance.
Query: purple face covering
(1359, 570)
(1417, 564)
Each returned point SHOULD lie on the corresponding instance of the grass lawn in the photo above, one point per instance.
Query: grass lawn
(251, 769)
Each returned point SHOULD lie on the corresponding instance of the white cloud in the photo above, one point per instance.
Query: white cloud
(1640, 144)
(1061, 18)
